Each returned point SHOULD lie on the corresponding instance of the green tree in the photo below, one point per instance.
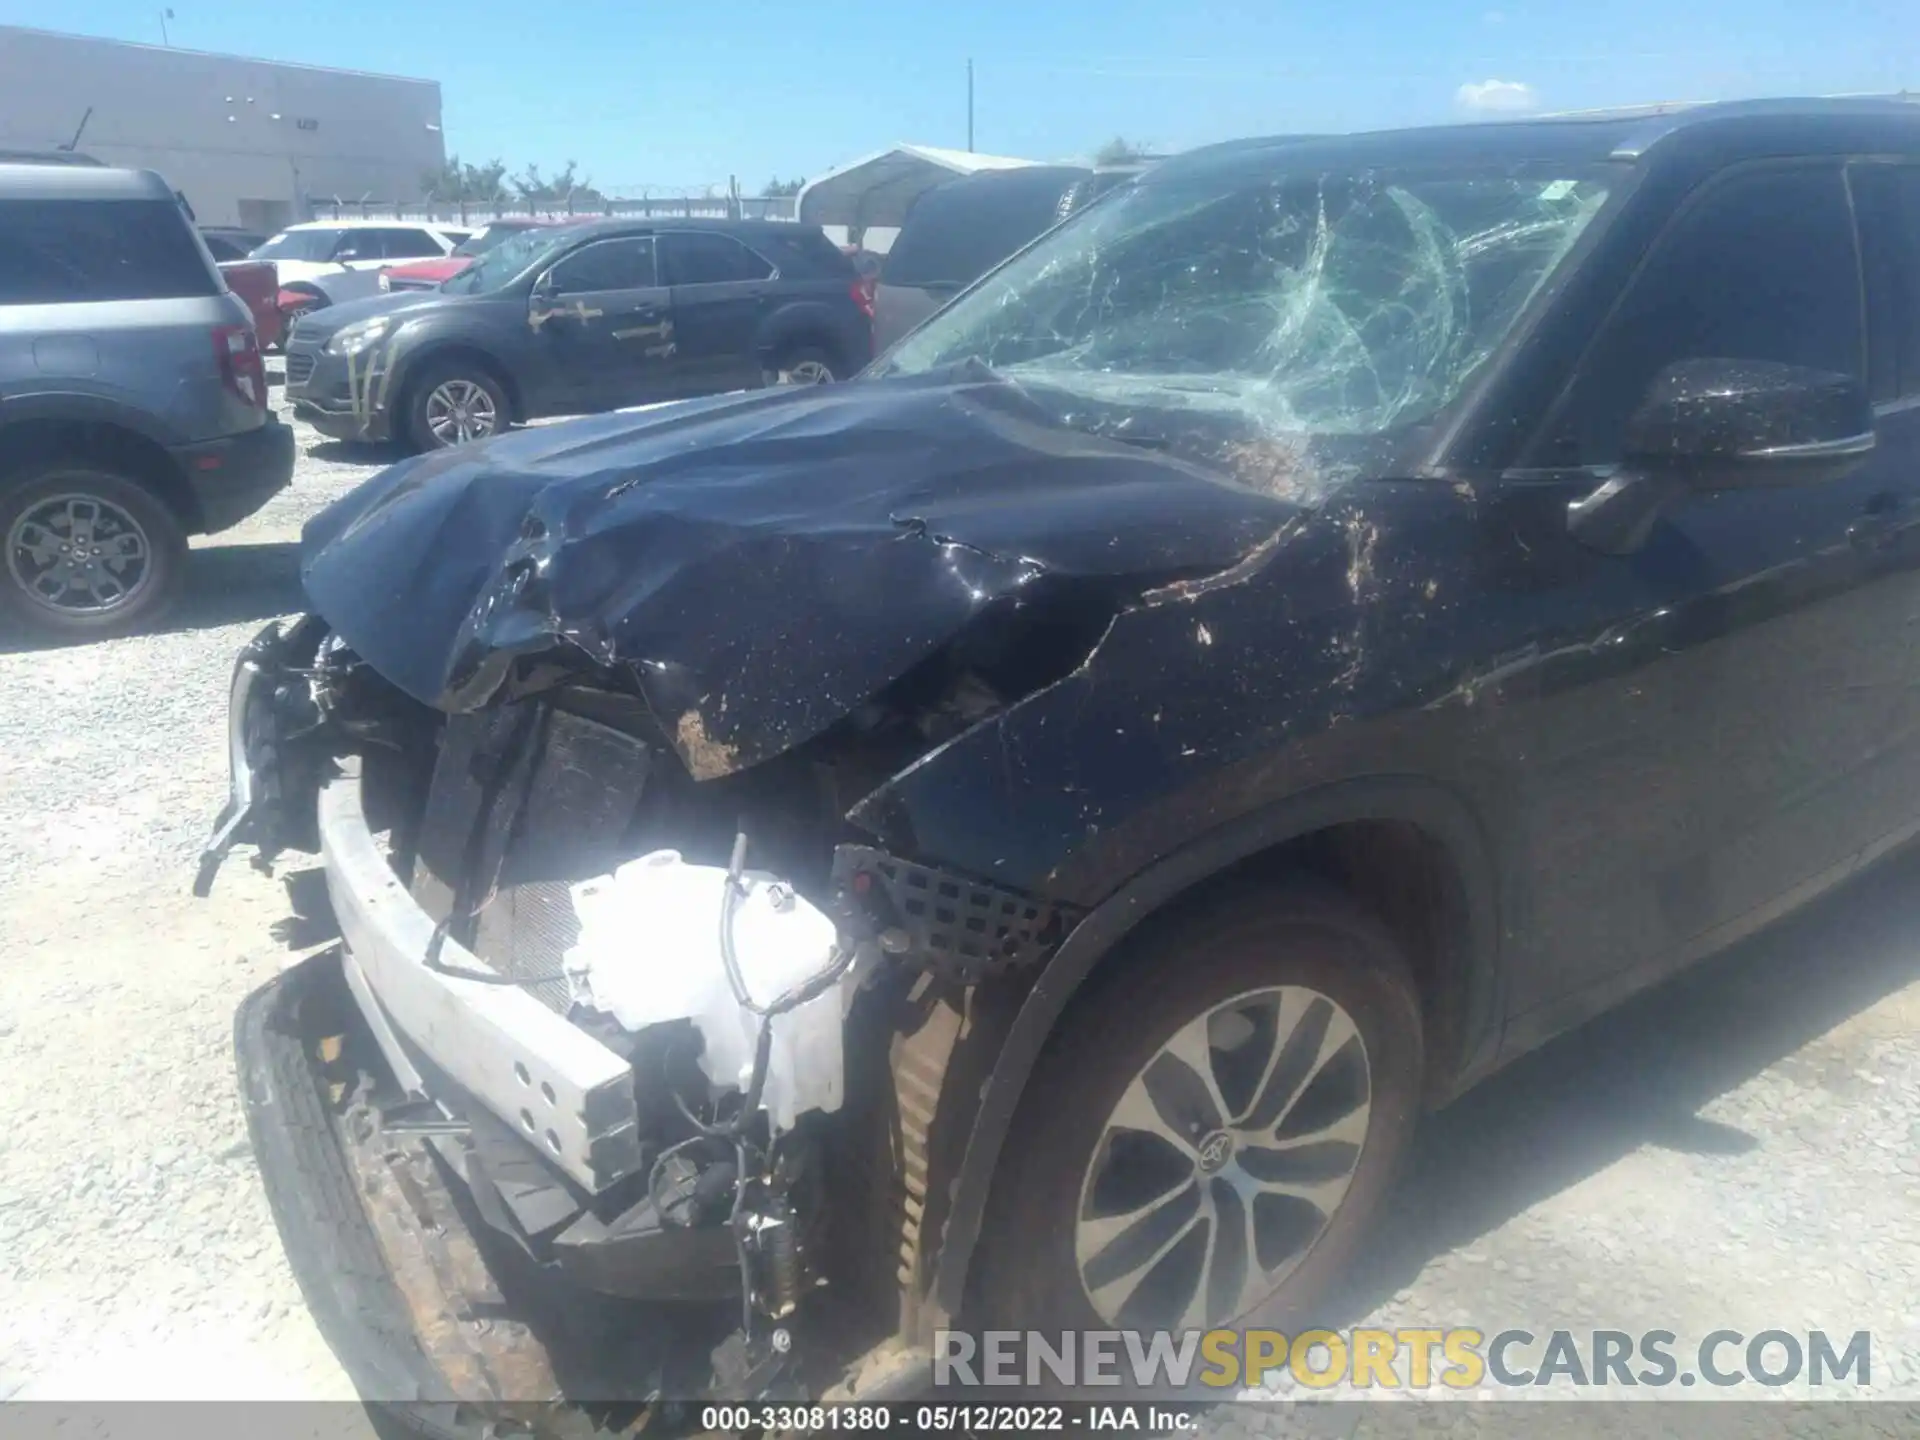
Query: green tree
(567, 187)
(473, 184)
(777, 187)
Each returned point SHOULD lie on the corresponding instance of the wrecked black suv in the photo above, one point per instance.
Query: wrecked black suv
(1017, 839)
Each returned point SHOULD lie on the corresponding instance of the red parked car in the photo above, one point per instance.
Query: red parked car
(428, 274)
(258, 283)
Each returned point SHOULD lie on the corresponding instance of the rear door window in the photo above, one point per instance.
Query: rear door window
(699, 257)
(54, 251)
(806, 254)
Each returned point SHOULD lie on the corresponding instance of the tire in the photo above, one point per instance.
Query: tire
(41, 509)
(447, 383)
(1062, 1156)
(810, 361)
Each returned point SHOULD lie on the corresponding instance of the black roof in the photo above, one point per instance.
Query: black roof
(1788, 126)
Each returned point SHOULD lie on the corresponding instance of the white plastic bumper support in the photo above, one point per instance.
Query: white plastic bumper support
(562, 1089)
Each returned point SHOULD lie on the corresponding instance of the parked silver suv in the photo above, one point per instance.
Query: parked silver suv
(133, 400)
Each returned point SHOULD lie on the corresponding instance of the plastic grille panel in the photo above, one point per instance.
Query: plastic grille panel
(960, 927)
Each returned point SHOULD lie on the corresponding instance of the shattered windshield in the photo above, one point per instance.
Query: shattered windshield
(1311, 306)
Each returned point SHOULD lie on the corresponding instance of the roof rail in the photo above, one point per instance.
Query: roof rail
(1623, 112)
(45, 157)
(1664, 120)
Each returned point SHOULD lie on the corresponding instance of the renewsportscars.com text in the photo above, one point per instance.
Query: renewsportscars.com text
(1410, 1359)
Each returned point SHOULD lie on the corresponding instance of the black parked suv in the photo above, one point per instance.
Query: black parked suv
(1017, 841)
(583, 318)
(133, 401)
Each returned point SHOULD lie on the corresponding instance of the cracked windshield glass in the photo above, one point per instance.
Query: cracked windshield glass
(1322, 306)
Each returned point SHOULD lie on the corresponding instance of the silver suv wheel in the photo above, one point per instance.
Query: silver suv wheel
(1223, 1161)
(806, 372)
(460, 410)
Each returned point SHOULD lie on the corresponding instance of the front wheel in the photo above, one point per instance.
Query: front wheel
(89, 552)
(1207, 1134)
(806, 365)
(454, 403)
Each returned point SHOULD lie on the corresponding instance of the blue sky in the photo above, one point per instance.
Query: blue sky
(679, 95)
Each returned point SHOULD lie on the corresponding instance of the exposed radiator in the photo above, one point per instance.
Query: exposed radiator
(562, 818)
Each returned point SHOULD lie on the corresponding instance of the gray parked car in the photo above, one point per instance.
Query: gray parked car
(133, 400)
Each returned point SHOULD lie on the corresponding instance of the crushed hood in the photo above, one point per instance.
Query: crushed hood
(759, 565)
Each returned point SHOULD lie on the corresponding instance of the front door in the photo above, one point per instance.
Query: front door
(604, 332)
(1742, 680)
(720, 292)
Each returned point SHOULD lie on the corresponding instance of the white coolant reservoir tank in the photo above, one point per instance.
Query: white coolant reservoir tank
(649, 952)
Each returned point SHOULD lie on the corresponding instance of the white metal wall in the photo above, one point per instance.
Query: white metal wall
(250, 142)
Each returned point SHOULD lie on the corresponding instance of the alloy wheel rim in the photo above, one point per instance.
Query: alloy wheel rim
(1223, 1162)
(460, 410)
(807, 372)
(79, 555)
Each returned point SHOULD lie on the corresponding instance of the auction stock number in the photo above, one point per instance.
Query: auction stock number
(787, 1419)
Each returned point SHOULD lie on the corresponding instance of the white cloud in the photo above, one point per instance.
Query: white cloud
(1504, 97)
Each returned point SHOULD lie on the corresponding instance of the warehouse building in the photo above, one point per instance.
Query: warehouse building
(249, 142)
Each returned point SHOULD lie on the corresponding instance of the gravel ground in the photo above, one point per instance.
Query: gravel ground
(137, 1253)
(1740, 1150)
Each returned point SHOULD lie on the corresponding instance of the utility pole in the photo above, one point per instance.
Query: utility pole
(165, 15)
(969, 106)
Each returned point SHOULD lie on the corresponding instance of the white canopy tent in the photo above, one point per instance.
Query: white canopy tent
(877, 190)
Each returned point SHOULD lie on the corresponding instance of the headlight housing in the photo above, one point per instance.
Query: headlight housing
(352, 339)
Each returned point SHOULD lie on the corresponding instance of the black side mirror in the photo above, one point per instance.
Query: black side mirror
(1724, 425)
(1728, 424)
